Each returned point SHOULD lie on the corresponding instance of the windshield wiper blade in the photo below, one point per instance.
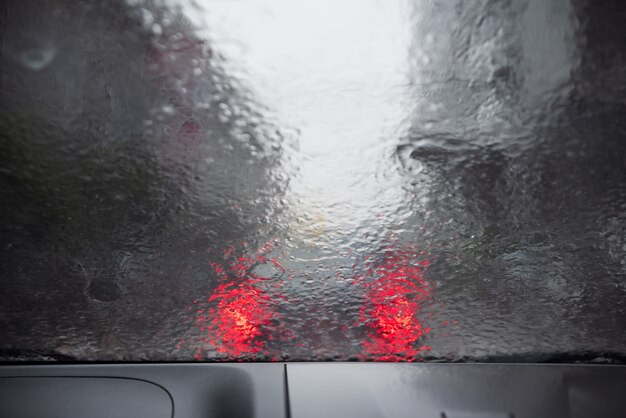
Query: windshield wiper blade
(19, 355)
(565, 357)
(586, 357)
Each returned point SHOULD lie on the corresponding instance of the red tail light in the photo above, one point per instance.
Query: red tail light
(394, 301)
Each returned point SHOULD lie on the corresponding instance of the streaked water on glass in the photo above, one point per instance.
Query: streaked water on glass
(312, 180)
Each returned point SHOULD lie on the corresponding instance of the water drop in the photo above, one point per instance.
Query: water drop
(147, 17)
(37, 58)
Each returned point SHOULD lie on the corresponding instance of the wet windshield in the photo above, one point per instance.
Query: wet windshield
(314, 180)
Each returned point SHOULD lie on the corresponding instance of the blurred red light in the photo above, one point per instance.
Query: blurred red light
(394, 300)
(238, 320)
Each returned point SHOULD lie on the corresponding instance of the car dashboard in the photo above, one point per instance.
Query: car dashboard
(303, 390)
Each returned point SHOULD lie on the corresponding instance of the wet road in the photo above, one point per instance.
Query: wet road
(359, 180)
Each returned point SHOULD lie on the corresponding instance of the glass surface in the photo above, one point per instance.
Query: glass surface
(313, 180)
